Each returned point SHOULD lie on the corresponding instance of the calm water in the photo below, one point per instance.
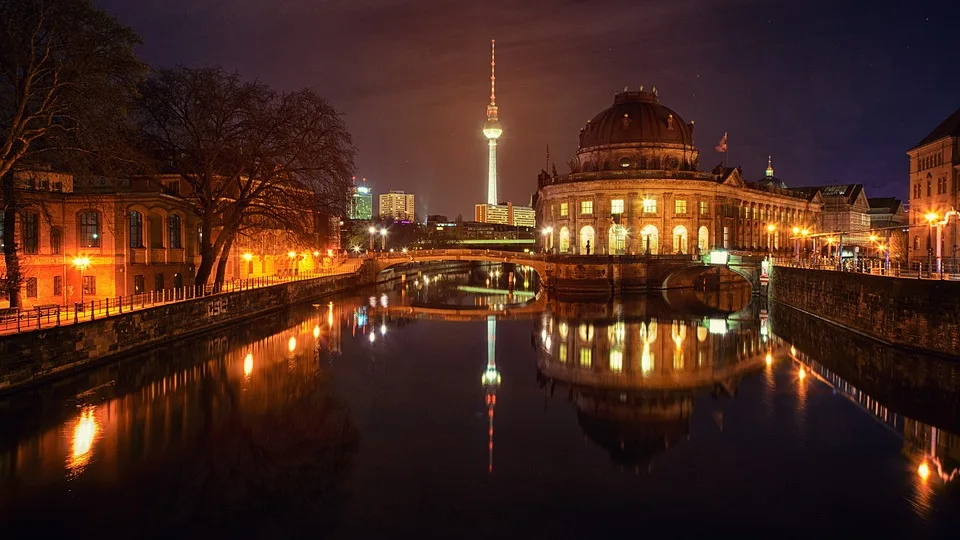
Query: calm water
(412, 410)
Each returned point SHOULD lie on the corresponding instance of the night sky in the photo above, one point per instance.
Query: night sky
(836, 90)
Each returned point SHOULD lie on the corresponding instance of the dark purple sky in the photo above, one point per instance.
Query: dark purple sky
(836, 90)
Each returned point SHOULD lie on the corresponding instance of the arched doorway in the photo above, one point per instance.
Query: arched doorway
(617, 240)
(587, 236)
(703, 239)
(680, 239)
(650, 240)
(564, 240)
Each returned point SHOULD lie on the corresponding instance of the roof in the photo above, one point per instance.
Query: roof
(849, 192)
(948, 128)
(636, 117)
(884, 204)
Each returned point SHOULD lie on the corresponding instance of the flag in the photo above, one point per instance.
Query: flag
(722, 147)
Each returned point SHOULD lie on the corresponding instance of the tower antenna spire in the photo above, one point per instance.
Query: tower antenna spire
(493, 72)
(769, 166)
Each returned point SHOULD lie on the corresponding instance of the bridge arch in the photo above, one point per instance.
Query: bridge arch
(688, 277)
(534, 261)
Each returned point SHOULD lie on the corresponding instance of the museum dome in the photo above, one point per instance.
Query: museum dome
(636, 117)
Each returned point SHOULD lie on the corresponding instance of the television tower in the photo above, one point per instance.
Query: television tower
(492, 130)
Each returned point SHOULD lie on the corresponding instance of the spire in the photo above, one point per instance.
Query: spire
(493, 76)
(769, 166)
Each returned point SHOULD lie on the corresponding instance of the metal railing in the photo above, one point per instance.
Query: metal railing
(16, 320)
(914, 270)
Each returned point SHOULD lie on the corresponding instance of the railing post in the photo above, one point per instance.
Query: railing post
(75, 310)
(58, 315)
(93, 310)
(108, 307)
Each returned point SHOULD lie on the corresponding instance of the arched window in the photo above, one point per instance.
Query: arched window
(173, 225)
(89, 226)
(650, 240)
(617, 240)
(680, 239)
(564, 240)
(703, 239)
(136, 229)
(587, 240)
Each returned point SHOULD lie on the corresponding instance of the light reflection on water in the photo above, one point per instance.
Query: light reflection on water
(634, 373)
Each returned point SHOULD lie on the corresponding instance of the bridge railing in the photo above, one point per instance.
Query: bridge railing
(915, 270)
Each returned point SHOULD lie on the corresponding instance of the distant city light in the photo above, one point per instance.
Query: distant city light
(292, 344)
(247, 364)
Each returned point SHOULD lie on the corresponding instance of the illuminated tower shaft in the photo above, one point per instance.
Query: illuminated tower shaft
(492, 130)
(492, 172)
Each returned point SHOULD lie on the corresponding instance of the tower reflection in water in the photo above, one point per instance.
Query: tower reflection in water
(633, 379)
(491, 381)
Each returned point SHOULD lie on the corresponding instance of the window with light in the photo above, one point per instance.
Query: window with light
(616, 206)
(649, 206)
(564, 209)
(680, 207)
(586, 207)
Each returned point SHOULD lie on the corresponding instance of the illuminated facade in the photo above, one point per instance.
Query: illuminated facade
(635, 187)
(506, 214)
(134, 235)
(361, 203)
(935, 188)
(397, 205)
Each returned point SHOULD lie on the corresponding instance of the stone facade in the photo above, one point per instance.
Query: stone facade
(935, 188)
(634, 188)
(900, 311)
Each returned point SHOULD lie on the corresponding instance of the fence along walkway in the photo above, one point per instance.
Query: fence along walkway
(13, 321)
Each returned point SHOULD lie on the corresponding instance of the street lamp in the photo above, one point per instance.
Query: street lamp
(771, 228)
(383, 239)
(931, 217)
(82, 263)
(546, 232)
(372, 230)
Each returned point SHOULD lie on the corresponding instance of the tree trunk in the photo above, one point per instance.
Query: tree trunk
(222, 263)
(207, 256)
(13, 277)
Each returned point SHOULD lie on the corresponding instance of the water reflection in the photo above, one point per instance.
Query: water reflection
(245, 431)
(633, 379)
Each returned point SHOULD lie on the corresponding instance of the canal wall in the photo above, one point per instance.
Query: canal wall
(913, 382)
(34, 356)
(900, 311)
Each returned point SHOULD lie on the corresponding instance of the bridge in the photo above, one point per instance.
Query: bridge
(599, 273)
(527, 310)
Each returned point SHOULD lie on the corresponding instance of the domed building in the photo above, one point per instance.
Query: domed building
(636, 188)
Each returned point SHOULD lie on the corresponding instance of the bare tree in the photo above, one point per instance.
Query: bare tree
(66, 69)
(251, 157)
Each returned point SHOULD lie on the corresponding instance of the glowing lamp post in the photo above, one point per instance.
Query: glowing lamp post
(547, 233)
(372, 231)
(932, 217)
(383, 239)
(771, 228)
(82, 263)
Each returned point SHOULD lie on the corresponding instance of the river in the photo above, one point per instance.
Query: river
(469, 405)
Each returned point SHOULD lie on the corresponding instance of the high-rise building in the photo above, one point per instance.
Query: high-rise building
(492, 130)
(506, 213)
(361, 203)
(397, 205)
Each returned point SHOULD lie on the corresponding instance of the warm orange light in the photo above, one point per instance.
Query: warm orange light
(796, 230)
(248, 365)
(292, 344)
(316, 253)
(316, 332)
(831, 240)
(881, 247)
(771, 227)
(248, 257)
(873, 238)
(802, 374)
(924, 471)
(84, 435)
(291, 254)
(81, 262)
(769, 359)
(329, 253)
(932, 216)
(805, 232)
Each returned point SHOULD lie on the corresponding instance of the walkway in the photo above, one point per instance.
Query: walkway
(40, 317)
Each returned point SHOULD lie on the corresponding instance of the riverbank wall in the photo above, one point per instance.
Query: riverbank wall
(35, 356)
(924, 314)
